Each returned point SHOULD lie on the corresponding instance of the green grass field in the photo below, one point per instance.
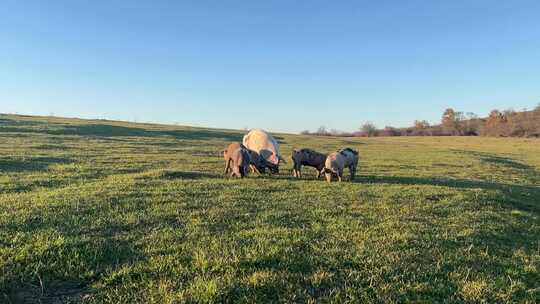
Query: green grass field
(113, 212)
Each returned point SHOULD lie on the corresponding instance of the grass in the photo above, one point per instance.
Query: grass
(114, 212)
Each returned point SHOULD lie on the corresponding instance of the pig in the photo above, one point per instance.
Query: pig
(307, 157)
(266, 146)
(237, 160)
(337, 161)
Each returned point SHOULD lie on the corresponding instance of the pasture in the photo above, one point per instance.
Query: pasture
(113, 212)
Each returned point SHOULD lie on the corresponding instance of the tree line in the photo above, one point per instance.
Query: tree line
(508, 123)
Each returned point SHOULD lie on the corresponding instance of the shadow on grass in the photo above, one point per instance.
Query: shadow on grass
(13, 122)
(521, 196)
(28, 186)
(59, 279)
(209, 175)
(352, 142)
(200, 135)
(86, 254)
(108, 130)
(273, 176)
(189, 175)
(497, 160)
(31, 164)
(105, 130)
(53, 292)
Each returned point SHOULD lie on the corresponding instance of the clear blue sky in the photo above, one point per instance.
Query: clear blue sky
(280, 65)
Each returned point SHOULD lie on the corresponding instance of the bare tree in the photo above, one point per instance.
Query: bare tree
(448, 121)
(471, 125)
(368, 129)
(335, 132)
(451, 122)
(322, 131)
(495, 124)
(421, 124)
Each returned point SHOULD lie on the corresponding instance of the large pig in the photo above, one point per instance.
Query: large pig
(268, 148)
